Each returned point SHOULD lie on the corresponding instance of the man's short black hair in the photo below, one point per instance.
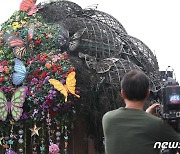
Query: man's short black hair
(135, 85)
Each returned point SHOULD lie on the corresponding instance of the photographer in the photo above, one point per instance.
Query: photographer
(131, 130)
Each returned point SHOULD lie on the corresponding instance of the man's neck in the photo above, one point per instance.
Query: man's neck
(134, 104)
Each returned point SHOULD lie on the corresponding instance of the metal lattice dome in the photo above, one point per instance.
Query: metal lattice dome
(101, 51)
(99, 45)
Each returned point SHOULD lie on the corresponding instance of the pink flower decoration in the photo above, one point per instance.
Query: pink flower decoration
(34, 81)
(56, 57)
(53, 149)
(48, 120)
(1, 68)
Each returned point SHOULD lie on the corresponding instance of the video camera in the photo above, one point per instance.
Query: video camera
(169, 98)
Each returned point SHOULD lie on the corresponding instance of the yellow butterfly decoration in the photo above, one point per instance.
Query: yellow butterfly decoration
(69, 87)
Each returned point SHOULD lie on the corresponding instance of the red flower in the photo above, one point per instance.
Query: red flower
(30, 77)
(30, 92)
(30, 61)
(38, 57)
(45, 55)
(38, 88)
(36, 73)
(59, 69)
(49, 102)
(42, 60)
(54, 69)
(71, 69)
(37, 42)
(52, 113)
(66, 56)
(1, 79)
(5, 62)
(43, 75)
(28, 114)
(64, 75)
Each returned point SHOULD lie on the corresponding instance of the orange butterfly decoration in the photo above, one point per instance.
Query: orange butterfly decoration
(69, 87)
(18, 45)
(29, 6)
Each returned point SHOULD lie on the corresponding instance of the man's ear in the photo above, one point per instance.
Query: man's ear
(123, 94)
(148, 93)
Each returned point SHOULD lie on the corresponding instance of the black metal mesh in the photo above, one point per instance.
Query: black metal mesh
(117, 71)
(105, 18)
(98, 40)
(101, 41)
(104, 37)
(59, 10)
(145, 55)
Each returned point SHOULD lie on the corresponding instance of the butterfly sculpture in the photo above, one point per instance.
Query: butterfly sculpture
(63, 38)
(29, 6)
(20, 72)
(14, 106)
(68, 87)
(18, 45)
(100, 66)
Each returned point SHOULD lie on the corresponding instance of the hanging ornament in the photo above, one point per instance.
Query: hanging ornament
(34, 150)
(42, 147)
(1, 140)
(48, 120)
(21, 150)
(53, 149)
(11, 152)
(65, 139)
(58, 134)
(34, 130)
(10, 141)
(20, 140)
(12, 136)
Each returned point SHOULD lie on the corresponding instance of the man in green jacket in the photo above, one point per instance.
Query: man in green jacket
(131, 130)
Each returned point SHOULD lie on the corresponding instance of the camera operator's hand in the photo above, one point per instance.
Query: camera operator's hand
(152, 109)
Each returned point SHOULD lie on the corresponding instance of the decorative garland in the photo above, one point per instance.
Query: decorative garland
(29, 58)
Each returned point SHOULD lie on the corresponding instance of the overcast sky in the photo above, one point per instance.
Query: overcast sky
(155, 22)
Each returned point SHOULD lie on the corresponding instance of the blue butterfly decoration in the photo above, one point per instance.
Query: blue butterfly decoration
(20, 72)
(63, 38)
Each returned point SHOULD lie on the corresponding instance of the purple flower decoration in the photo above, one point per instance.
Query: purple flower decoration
(36, 101)
(42, 113)
(59, 105)
(44, 105)
(35, 112)
(34, 81)
(46, 79)
(24, 116)
(10, 152)
(52, 93)
(6, 90)
(63, 81)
